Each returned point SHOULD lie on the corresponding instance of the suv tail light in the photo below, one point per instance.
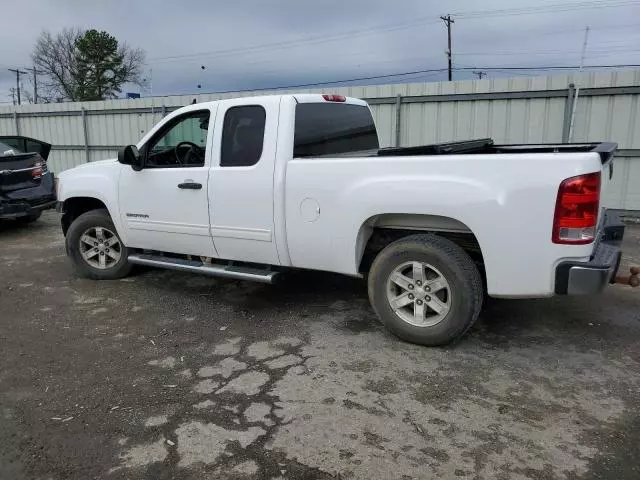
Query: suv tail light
(576, 216)
(39, 168)
(334, 98)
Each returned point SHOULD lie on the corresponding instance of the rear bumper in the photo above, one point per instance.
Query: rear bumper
(587, 278)
(28, 201)
(22, 209)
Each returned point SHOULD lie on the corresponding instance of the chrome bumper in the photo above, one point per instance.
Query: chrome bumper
(587, 278)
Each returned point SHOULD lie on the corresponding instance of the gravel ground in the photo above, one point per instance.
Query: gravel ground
(166, 375)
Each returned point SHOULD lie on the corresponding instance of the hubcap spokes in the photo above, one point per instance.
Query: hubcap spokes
(100, 247)
(419, 294)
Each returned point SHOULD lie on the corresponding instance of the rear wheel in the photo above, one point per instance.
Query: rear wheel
(425, 289)
(95, 248)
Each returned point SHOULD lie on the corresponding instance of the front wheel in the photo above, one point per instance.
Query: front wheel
(95, 248)
(425, 289)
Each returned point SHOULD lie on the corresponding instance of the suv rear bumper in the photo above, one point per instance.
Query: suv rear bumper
(586, 278)
(23, 209)
(28, 201)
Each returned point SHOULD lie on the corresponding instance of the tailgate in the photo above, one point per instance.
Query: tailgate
(22, 162)
(20, 171)
(606, 151)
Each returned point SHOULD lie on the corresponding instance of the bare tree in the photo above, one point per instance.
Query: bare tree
(74, 65)
(133, 60)
(54, 56)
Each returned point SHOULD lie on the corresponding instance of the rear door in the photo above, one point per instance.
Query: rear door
(241, 180)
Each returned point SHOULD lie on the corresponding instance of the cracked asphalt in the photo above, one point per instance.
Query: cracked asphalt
(166, 375)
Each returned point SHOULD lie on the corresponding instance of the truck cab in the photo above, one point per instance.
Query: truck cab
(209, 181)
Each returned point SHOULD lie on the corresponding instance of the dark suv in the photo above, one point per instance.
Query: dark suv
(26, 185)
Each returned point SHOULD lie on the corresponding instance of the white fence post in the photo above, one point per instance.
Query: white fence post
(16, 122)
(398, 118)
(85, 133)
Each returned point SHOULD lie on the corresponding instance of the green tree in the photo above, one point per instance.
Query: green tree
(85, 65)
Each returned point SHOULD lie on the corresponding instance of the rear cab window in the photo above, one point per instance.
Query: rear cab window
(332, 129)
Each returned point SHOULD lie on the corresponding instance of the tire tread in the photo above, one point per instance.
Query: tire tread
(450, 252)
(99, 217)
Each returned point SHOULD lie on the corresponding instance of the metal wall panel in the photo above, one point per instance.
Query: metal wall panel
(624, 192)
(7, 126)
(385, 118)
(60, 160)
(95, 155)
(520, 110)
(631, 194)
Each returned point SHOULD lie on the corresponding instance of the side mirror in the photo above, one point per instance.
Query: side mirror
(129, 155)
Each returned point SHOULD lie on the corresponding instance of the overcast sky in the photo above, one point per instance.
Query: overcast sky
(246, 44)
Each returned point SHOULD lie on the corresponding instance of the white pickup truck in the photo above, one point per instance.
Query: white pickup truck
(247, 188)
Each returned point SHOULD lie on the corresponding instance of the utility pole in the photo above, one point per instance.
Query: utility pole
(35, 83)
(448, 21)
(480, 74)
(12, 94)
(575, 98)
(18, 73)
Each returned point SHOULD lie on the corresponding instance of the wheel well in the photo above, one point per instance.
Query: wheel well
(381, 237)
(76, 206)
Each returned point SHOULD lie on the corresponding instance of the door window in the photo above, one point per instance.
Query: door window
(182, 143)
(242, 136)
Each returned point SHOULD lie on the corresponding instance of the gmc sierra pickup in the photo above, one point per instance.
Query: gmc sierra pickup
(247, 188)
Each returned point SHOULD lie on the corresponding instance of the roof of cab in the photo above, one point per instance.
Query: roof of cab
(299, 97)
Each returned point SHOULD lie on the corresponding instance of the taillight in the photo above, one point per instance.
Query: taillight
(576, 216)
(38, 169)
(335, 98)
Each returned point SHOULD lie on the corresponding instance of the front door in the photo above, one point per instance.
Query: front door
(165, 205)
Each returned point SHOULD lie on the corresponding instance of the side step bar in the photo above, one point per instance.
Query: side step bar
(236, 272)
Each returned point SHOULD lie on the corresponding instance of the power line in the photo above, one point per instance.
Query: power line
(394, 27)
(556, 67)
(555, 8)
(302, 85)
(297, 42)
(547, 52)
(434, 70)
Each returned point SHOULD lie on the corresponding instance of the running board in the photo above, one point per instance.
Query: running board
(236, 272)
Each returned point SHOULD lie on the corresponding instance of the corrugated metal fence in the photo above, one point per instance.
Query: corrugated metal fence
(516, 110)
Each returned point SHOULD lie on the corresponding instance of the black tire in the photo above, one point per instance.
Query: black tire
(95, 218)
(457, 268)
(29, 218)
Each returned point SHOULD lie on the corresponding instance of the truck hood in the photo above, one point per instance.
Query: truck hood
(99, 164)
(91, 169)
(93, 179)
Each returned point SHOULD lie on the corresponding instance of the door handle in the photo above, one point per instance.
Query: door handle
(189, 185)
